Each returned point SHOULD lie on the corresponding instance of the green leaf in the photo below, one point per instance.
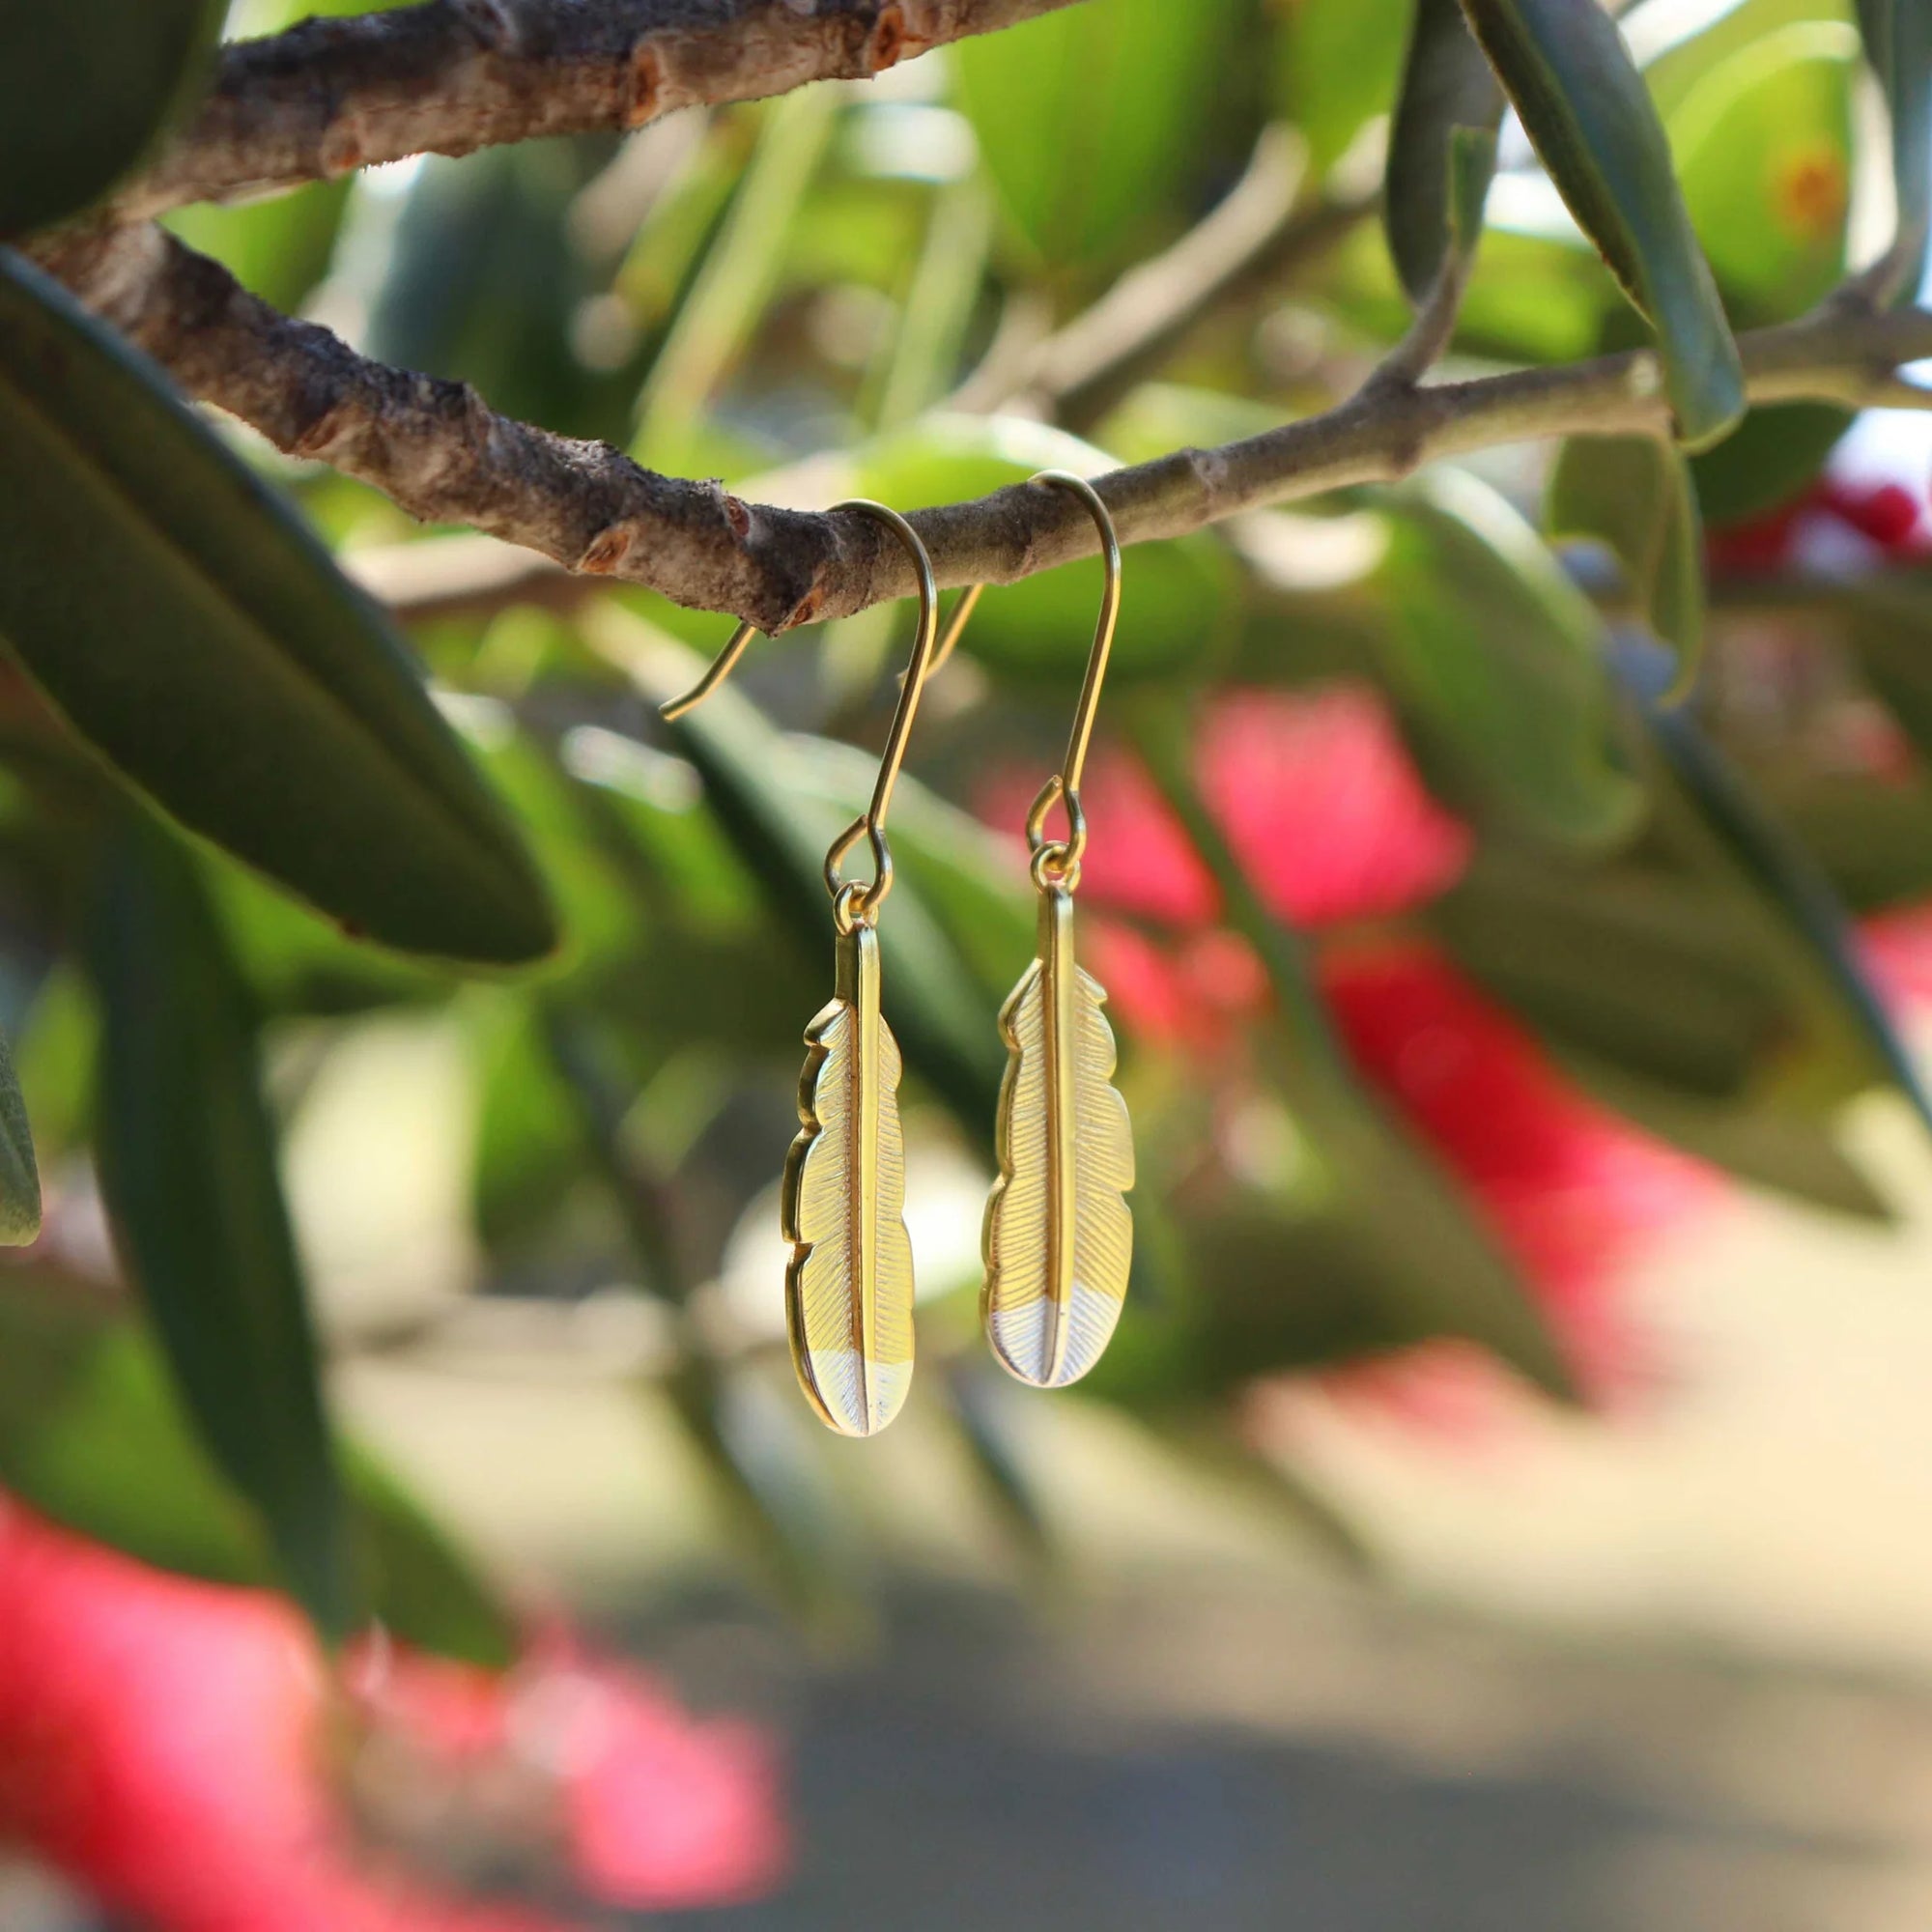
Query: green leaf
(1638, 968)
(1762, 1141)
(1898, 44)
(529, 1143)
(770, 795)
(1764, 150)
(1767, 459)
(1731, 835)
(19, 1175)
(1383, 1248)
(279, 248)
(774, 1494)
(1096, 122)
(1495, 662)
(200, 640)
(1446, 85)
(188, 1158)
(85, 88)
(1890, 619)
(1632, 496)
(94, 1437)
(1182, 598)
(1338, 68)
(1582, 102)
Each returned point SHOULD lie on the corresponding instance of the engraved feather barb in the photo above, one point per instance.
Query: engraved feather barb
(1059, 1236)
(849, 1290)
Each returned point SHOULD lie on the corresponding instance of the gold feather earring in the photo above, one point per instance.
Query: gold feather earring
(849, 1287)
(1059, 1236)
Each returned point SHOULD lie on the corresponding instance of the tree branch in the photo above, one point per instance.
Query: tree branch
(1253, 238)
(450, 77)
(445, 457)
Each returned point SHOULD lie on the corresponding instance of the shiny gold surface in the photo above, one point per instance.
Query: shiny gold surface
(849, 1290)
(1059, 1236)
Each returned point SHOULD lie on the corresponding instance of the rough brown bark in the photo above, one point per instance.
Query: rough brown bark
(450, 77)
(439, 450)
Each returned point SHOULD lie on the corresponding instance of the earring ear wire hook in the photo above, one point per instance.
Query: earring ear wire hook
(856, 901)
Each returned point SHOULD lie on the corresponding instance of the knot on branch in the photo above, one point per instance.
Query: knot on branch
(886, 43)
(494, 25)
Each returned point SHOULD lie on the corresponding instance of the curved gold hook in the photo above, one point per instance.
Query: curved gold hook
(726, 660)
(1058, 860)
(856, 901)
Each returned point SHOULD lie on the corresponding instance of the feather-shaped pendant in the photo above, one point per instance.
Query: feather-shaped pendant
(849, 1290)
(1059, 1236)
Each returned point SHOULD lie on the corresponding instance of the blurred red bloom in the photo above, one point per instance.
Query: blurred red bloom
(1322, 807)
(1573, 1191)
(176, 1749)
(1325, 814)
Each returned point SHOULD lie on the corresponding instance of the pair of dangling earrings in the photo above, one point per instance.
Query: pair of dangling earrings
(1058, 1234)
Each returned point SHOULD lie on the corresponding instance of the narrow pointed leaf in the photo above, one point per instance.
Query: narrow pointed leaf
(1583, 103)
(85, 87)
(1898, 44)
(196, 635)
(1402, 1250)
(1494, 660)
(1796, 898)
(1633, 494)
(188, 1157)
(770, 797)
(93, 1437)
(1446, 85)
(19, 1173)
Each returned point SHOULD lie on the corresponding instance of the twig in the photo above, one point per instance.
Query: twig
(1254, 236)
(445, 457)
(450, 77)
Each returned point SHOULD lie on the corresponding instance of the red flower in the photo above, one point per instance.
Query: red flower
(1324, 811)
(174, 1747)
(1573, 1191)
(1323, 808)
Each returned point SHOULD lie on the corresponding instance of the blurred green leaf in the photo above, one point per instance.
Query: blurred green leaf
(1638, 968)
(1181, 598)
(771, 1486)
(20, 1176)
(1382, 1246)
(222, 662)
(1338, 66)
(727, 297)
(1446, 85)
(530, 1145)
(188, 1158)
(1094, 121)
(1767, 459)
(1871, 834)
(971, 882)
(1714, 814)
(1898, 36)
(1569, 74)
(473, 274)
(86, 87)
(1632, 496)
(54, 1062)
(1764, 152)
(1495, 662)
(761, 787)
(1765, 1142)
(278, 249)
(93, 1436)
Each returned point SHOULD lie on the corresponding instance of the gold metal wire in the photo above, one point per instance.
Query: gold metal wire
(856, 901)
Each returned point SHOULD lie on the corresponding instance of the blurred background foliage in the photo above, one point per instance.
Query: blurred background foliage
(849, 291)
